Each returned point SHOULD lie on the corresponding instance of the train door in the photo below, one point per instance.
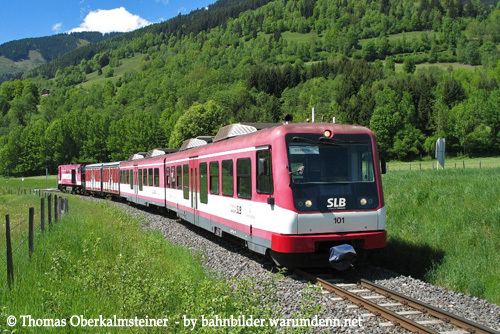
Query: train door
(101, 178)
(194, 188)
(73, 176)
(136, 184)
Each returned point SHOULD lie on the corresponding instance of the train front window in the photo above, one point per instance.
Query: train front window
(322, 169)
(330, 162)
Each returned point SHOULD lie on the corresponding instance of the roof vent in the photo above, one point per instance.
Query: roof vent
(190, 143)
(234, 130)
(156, 152)
(208, 139)
(138, 155)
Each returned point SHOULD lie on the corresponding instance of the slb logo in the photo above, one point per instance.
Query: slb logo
(336, 203)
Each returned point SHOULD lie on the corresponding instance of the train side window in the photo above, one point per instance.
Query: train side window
(131, 175)
(214, 177)
(150, 177)
(185, 181)
(203, 183)
(172, 175)
(244, 178)
(144, 176)
(227, 178)
(167, 177)
(179, 177)
(140, 179)
(264, 172)
(156, 178)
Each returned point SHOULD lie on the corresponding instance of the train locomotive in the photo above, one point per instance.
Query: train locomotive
(303, 194)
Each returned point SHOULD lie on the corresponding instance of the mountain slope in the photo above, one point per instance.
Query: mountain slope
(181, 25)
(21, 55)
(154, 88)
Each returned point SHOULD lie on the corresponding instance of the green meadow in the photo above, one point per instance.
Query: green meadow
(98, 261)
(444, 227)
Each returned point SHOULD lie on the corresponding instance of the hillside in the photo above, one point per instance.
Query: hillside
(412, 71)
(19, 56)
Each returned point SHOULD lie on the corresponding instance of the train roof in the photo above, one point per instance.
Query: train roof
(103, 164)
(261, 136)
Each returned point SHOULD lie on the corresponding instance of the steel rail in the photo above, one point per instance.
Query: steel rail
(392, 316)
(470, 326)
(378, 310)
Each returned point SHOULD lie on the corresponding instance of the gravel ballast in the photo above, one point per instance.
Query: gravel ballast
(294, 297)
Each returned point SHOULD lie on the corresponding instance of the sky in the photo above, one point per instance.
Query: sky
(34, 18)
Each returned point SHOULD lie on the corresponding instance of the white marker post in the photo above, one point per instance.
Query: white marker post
(440, 152)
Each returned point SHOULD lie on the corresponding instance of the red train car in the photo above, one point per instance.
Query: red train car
(102, 178)
(304, 194)
(295, 192)
(70, 177)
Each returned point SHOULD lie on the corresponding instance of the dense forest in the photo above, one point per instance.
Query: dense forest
(412, 71)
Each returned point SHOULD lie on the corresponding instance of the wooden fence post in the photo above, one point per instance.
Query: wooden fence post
(30, 230)
(42, 214)
(10, 263)
(49, 208)
(56, 213)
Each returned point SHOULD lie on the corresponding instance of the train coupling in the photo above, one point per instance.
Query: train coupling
(342, 256)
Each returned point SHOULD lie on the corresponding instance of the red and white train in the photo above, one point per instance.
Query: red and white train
(301, 193)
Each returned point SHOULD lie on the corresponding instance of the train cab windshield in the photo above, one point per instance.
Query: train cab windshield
(332, 173)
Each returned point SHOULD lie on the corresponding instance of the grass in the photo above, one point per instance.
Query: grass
(33, 182)
(450, 163)
(443, 66)
(15, 200)
(9, 66)
(128, 64)
(410, 36)
(98, 261)
(297, 37)
(444, 227)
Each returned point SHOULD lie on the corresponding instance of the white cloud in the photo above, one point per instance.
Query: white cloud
(109, 20)
(56, 27)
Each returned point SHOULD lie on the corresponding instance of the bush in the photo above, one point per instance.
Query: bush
(409, 65)
(109, 72)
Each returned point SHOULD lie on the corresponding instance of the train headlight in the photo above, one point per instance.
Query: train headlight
(327, 134)
(308, 203)
(363, 201)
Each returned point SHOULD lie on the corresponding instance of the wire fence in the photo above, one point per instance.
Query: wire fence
(452, 164)
(18, 237)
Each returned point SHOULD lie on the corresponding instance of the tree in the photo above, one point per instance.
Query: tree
(407, 143)
(451, 91)
(386, 120)
(200, 119)
(409, 65)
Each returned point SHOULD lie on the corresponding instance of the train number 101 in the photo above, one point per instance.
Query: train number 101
(338, 220)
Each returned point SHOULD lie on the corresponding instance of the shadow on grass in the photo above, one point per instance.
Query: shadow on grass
(417, 261)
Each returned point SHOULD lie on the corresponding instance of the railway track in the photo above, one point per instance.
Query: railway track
(399, 310)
